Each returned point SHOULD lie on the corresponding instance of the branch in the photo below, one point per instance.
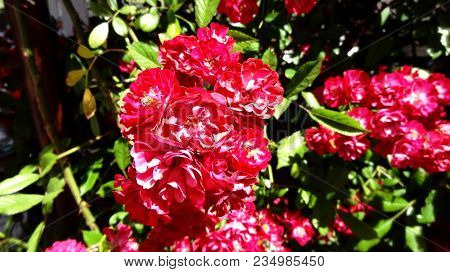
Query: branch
(32, 72)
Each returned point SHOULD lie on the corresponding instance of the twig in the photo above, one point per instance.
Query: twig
(78, 30)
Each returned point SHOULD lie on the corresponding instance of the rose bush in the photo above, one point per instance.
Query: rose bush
(227, 125)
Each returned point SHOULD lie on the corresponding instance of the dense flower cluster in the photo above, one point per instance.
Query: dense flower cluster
(404, 112)
(196, 128)
(246, 230)
(299, 6)
(239, 11)
(119, 239)
(69, 245)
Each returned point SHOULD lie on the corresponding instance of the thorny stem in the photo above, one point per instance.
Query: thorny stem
(30, 65)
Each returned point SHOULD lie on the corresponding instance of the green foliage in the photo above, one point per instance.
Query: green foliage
(336, 121)
(204, 11)
(149, 21)
(145, 55)
(122, 154)
(270, 58)
(414, 238)
(427, 212)
(119, 26)
(17, 203)
(244, 42)
(358, 227)
(304, 77)
(17, 183)
(54, 188)
(33, 242)
(289, 147)
(92, 176)
(381, 228)
(98, 35)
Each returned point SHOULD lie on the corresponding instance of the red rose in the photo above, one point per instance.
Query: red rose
(239, 11)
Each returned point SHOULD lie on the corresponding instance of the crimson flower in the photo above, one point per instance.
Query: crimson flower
(299, 6)
(239, 11)
(69, 245)
(121, 240)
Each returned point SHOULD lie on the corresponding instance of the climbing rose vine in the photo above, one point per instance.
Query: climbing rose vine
(196, 129)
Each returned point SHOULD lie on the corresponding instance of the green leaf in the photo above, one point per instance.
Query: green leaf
(304, 76)
(117, 217)
(240, 36)
(105, 189)
(336, 121)
(84, 52)
(381, 228)
(414, 239)
(175, 5)
(33, 242)
(396, 204)
(244, 42)
(128, 10)
(122, 154)
(46, 162)
(54, 188)
(119, 26)
(204, 11)
(174, 28)
(17, 183)
(311, 100)
(92, 237)
(271, 16)
(289, 147)
(145, 55)
(17, 203)
(98, 35)
(92, 176)
(270, 58)
(89, 104)
(384, 15)
(95, 126)
(358, 227)
(112, 4)
(74, 76)
(427, 212)
(149, 21)
(282, 107)
(445, 38)
(28, 169)
(247, 46)
(100, 9)
(420, 176)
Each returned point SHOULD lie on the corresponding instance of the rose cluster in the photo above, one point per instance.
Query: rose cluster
(118, 240)
(247, 230)
(239, 11)
(244, 11)
(196, 129)
(404, 112)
